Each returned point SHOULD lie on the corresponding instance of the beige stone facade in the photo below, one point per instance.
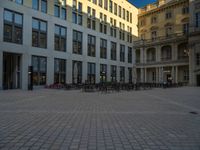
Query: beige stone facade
(162, 53)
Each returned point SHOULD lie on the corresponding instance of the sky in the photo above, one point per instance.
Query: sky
(141, 3)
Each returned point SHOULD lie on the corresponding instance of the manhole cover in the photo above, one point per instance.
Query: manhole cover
(193, 112)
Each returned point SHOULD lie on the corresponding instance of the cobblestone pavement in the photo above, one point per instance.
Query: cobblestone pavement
(157, 119)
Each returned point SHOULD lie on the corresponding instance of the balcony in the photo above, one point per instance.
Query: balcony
(160, 40)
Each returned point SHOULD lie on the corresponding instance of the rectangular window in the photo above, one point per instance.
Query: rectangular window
(13, 27)
(103, 72)
(113, 51)
(198, 59)
(185, 10)
(186, 28)
(168, 15)
(59, 71)
(122, 74)
(153, 35)
(103, 48)
(130, 75)
(120, 11)
(39, 33)
(91, 45)
(39, 70)
(198, 19)
(60, 38)
(115, 8)
(56, 11)
(106, 4)
(91, 73)
(130, 55)
(111, 6)
(100, 3)
(35, 4)
(113, 73)
(76, 72)
(19, 2)
(44, 6)
(124, 13)
(77, 16)
(77, 42)
(122, 53)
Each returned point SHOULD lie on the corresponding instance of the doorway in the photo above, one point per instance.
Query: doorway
(198, 80)
(11, 71)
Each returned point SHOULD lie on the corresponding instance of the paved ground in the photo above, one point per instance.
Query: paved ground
(155, 119)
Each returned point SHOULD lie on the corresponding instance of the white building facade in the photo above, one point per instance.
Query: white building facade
(66, 41)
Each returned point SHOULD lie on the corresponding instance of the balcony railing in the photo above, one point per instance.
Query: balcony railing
(151, 60)
(159, 39)
(166, 58)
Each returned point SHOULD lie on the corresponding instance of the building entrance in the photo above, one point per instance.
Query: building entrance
(198, 80)
(11, 71)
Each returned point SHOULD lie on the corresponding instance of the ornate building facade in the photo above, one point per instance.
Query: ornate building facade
(162, 51)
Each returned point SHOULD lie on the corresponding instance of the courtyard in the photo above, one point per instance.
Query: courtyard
(157, 119)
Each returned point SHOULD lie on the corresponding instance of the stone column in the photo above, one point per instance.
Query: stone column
(173, 74)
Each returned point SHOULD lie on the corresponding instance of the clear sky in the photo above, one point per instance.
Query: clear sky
(141, 3)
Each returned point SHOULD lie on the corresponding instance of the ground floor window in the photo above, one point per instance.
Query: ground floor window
(113, 73)
(103, 72)
(122, 74)
(186, 75)
(77, 72)
(91, 73)
(39, 70)
(130, 78)
(59, 71)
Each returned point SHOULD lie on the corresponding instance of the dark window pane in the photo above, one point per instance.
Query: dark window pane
(7, 33)
(35, 39)
(18, 35)
(43, 40)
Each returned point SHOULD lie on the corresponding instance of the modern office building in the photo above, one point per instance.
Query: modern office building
(66, 41)
(194, 42)
(162, 52)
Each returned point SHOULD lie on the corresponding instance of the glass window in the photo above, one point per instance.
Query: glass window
(39, 70)
(197, 19)
(13, 27)
(122, 53)
(18, 19)
(59, 71)
(35, 4)
(39, 33)
(43, 26)
(63, 14)
(56, 11)
(91, 73)
(35, 24)
(8, 16)
(77, 42)
(19, 1)
(44, 6)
